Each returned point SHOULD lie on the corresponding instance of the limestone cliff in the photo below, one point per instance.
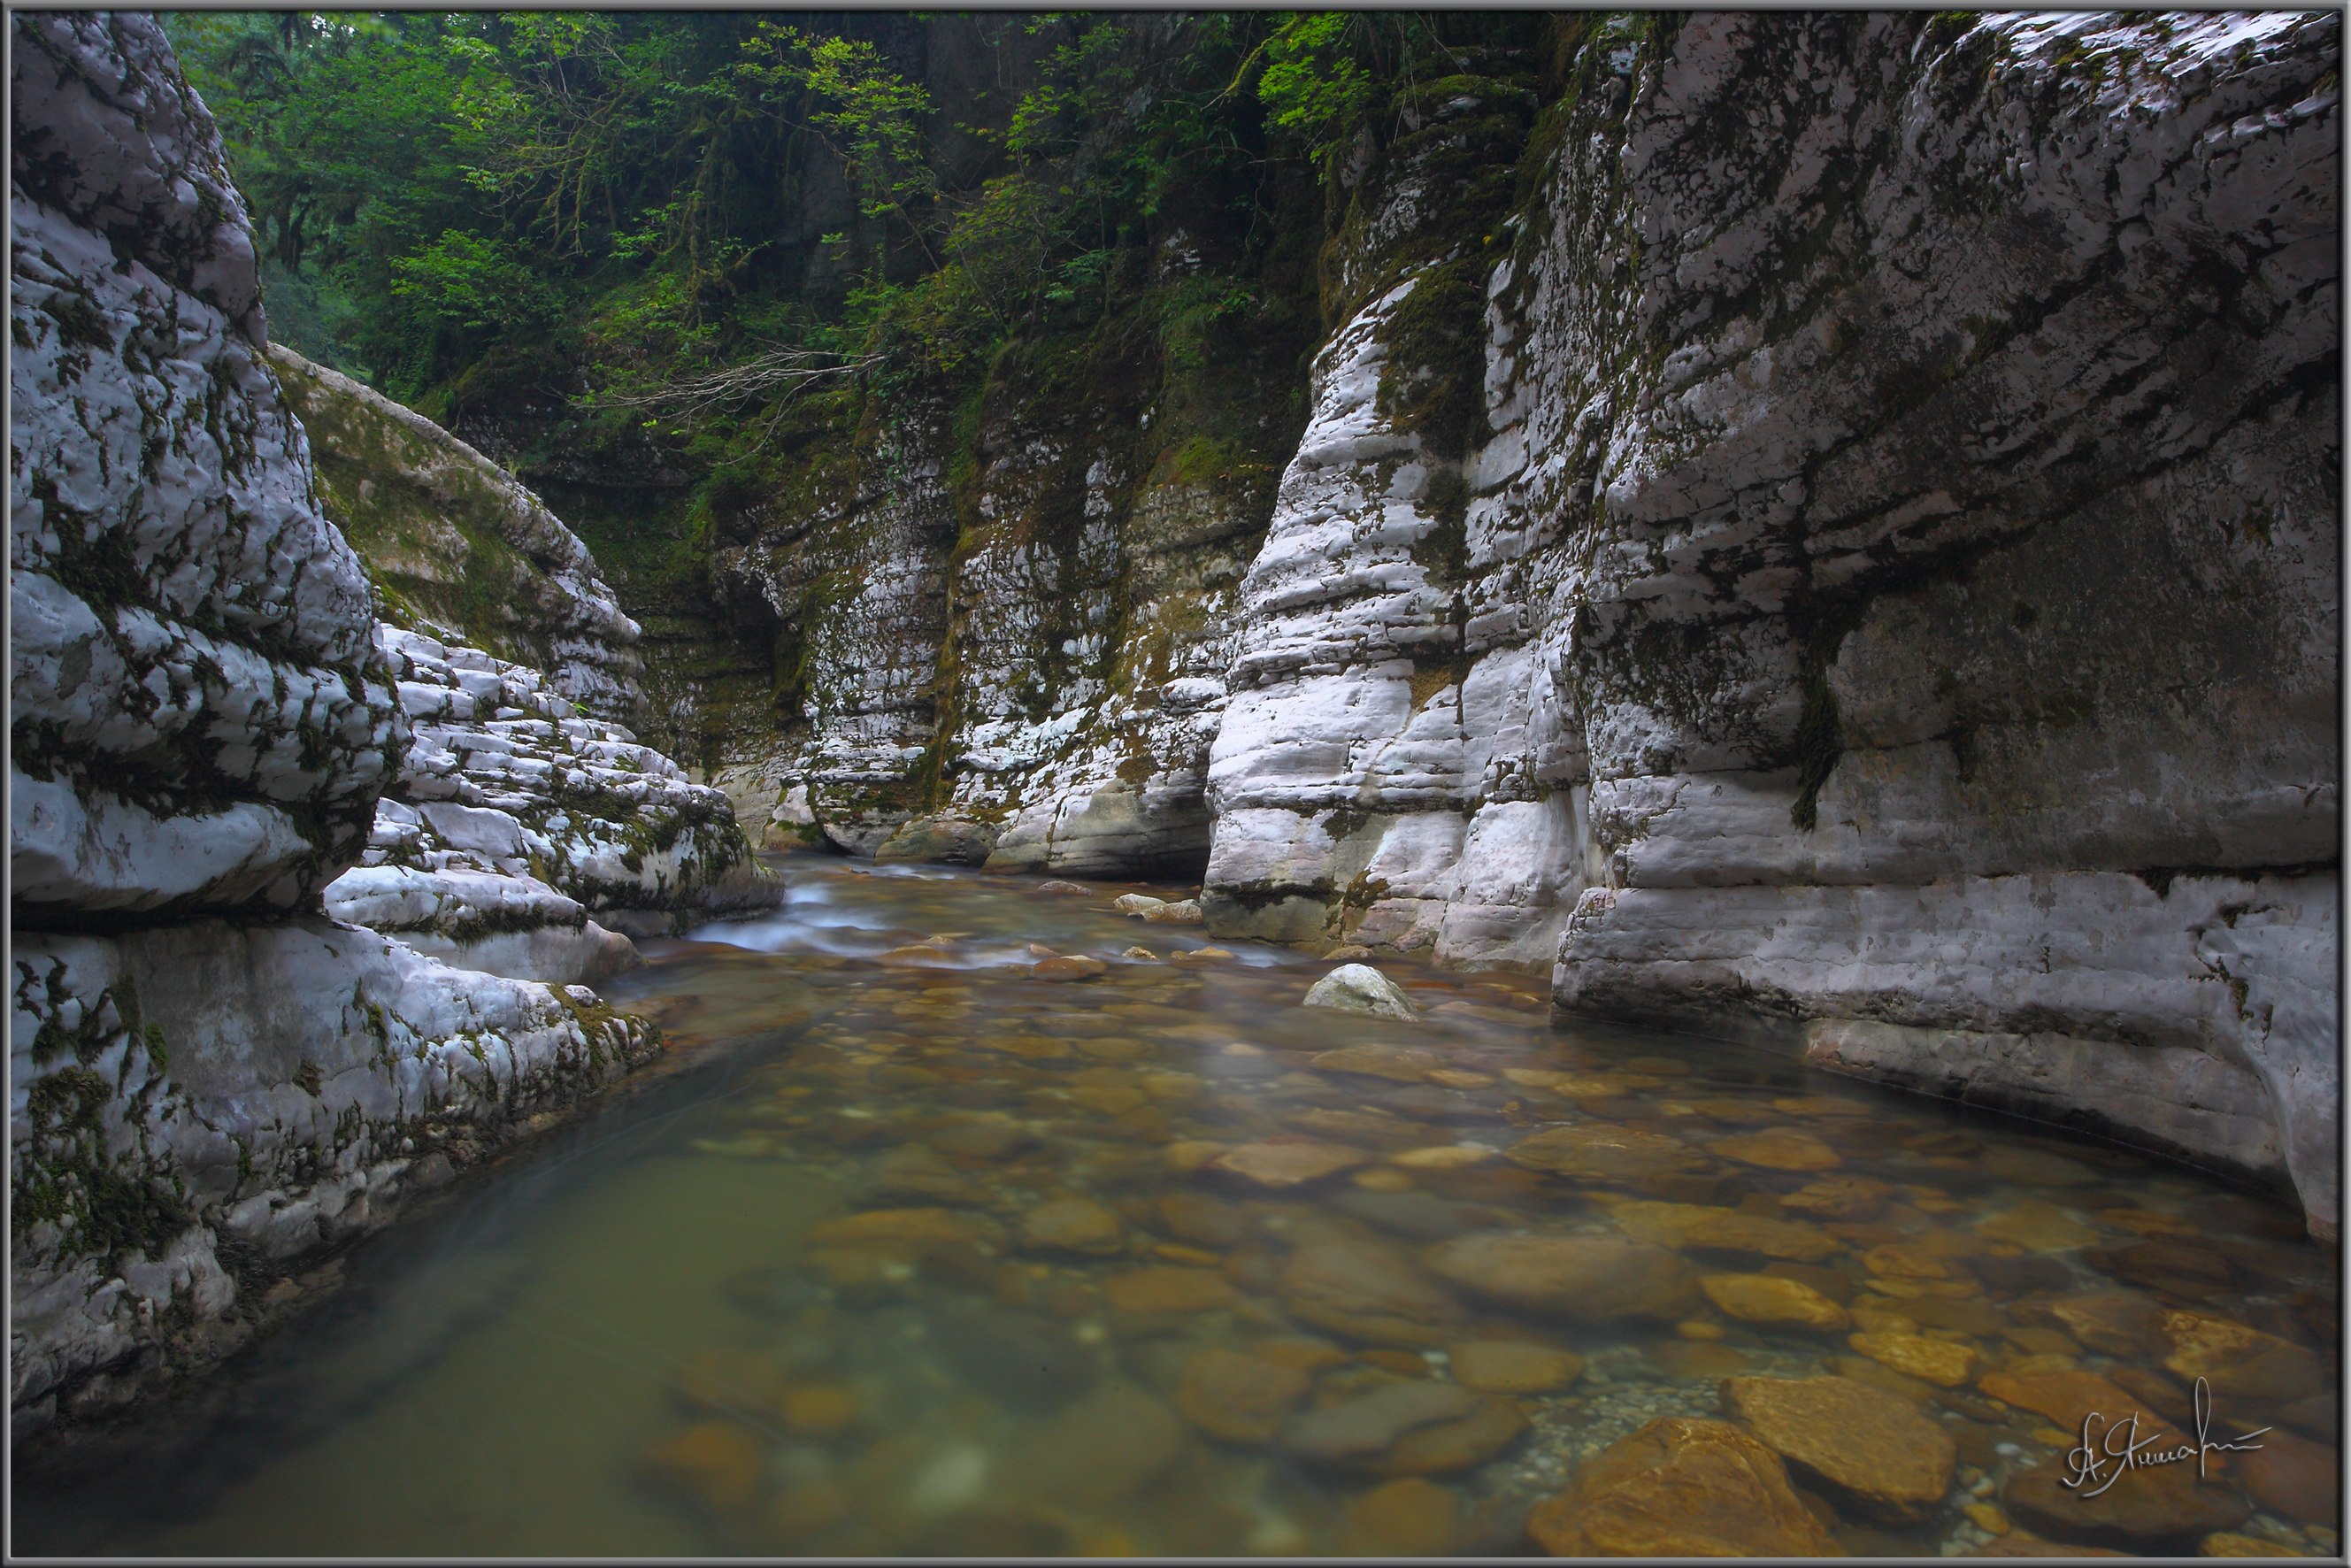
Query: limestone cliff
(1822, 529)
(1896, 607)
(211, 1079)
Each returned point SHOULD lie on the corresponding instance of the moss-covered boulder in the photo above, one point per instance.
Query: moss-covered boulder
(458, 547)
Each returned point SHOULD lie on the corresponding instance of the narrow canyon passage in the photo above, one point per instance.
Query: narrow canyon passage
(917, 1251)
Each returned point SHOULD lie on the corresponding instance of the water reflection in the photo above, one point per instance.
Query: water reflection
(952, 1245)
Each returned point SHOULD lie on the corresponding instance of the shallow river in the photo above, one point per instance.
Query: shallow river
(919, 1252)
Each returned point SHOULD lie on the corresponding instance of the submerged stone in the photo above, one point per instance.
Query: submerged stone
(1681, 1487)
(1869, 1446)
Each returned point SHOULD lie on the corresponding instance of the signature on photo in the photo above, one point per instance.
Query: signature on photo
(2110, 1450)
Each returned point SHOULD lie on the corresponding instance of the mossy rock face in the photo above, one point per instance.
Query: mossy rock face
(457, 547)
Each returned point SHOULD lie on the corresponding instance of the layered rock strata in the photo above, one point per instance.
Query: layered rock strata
(1896, 598)
(515, 819)
(199, 723)
(211, 1080)
(1851, 566)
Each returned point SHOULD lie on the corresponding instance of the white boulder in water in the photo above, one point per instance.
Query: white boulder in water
(1360, 989)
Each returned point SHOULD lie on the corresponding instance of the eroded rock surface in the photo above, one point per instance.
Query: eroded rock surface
(199, 723)
(211, 1080)
(515, 819)
(1894, 592)
(460, 549)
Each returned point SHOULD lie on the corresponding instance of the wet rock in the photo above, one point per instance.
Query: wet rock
(981, 1138)
(1768, 1299)
(2119, 1323)
(1072, 1224)
(1405, 1429)
(2176, 1269)
(1871, 1447)
(1144, 1292)
(1705, 1229)
(1367, 1293)
(718, 1462)
(2293, 1476)
(1021, 1359)
(2065, 1395)
(1899, 1261)
(1419, 1216)
(1512, 1366)
(1136, 904)
(1960, 1314)
(1445, 1446)
(2036, 1226)
(1681, 1487)
(1778, 1149)
(2145, 1507)
(1238, 1398)
(1372, 1127)
(1411, 1517)
(1686, 1360)
(1841, 1198)
(1444, 1157)
(1194, 1216)
(915, 1171)
(1287, 1164)
(1346, 952)
(1201, 955)
(1599, 1151)
(2228, 1543)
(2238, 1359)
(740, 1383)
(1185, 912)
(1139, 955)
(1399, 1063)
(1584, 1279)
(1935, 1360)
(1878, 1376)
(1360, 989)
(919, 956)
(819, 1409)
(1057, 887)
(1460, 1078)
(1071, 967)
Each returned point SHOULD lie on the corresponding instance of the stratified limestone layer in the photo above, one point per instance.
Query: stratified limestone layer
(203, 724)
(1895, 586)
(515, 819)
(198, 723)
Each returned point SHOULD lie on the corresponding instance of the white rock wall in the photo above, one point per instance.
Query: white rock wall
(516, 817)
(202, 726)
(1901, 610)
(197, 723)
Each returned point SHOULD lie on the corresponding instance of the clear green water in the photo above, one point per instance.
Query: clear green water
(654, 1335)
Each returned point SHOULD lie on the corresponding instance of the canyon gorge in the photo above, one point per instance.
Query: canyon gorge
(1820, 530)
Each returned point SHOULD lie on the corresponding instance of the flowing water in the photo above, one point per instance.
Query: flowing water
(920, 1252)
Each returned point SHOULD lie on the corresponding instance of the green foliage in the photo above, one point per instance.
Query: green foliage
(1312, 84)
